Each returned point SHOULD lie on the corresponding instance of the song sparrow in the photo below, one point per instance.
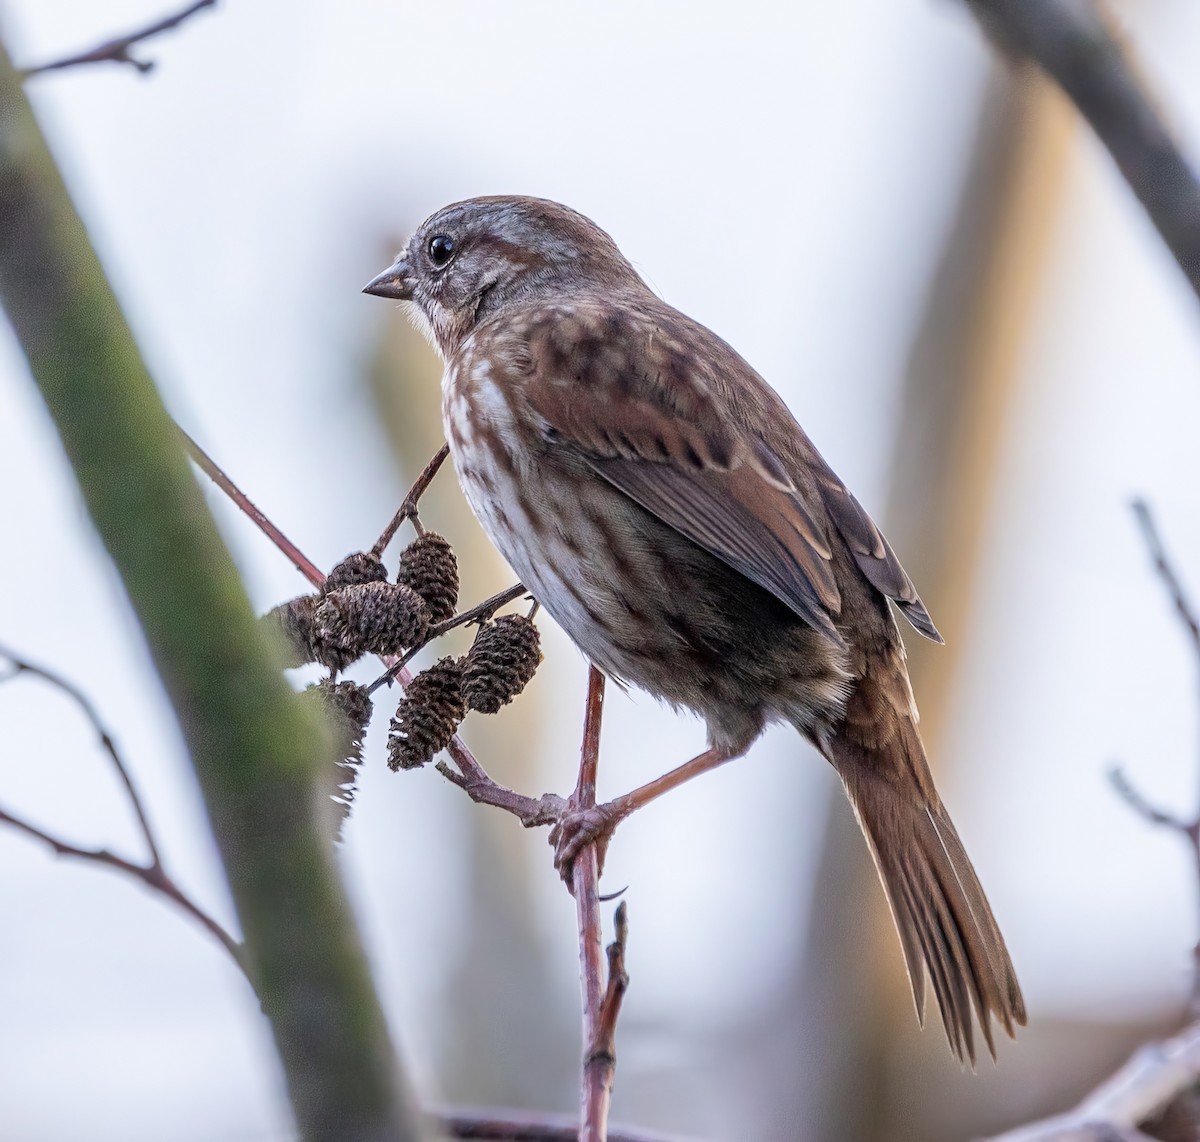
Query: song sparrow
(663, 505)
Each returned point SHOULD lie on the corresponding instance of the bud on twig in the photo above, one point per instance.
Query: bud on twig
(427, 716)
(501, 662)
(429, 567)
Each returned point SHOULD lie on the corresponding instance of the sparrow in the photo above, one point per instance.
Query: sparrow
(660, 501)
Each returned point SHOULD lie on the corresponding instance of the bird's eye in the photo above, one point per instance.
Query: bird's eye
(441, 249)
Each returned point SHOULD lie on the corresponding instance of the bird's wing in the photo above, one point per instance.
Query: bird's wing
(872, 552)
(597, 389)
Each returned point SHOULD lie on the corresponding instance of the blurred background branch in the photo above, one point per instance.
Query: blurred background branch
(1140, 1097)
(252, 744)
(116, 50)
(1156, 1094)
(153, 873)
(1073, 41)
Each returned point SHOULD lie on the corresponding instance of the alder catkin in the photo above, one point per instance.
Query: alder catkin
(347, 709)
(501, 662)
(428, 716)
(376, 618)
(293, 623)
(428, 565)
(358, 567)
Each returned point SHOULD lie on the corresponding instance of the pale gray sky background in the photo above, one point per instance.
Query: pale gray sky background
(784, 174)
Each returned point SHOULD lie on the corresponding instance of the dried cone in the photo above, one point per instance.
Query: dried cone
(347, 708)
(358, 567)
(429, 567)
(428, 715)
(501, 662)
(293, 623)
(380, 618)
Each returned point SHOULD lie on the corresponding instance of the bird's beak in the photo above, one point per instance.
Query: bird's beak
(394, 282)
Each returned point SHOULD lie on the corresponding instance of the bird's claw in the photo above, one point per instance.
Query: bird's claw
(576, 829)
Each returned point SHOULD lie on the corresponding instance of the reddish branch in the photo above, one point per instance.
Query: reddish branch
(601, 997)
(514, 1126)
(213, 471)
(409, 508)
(117, 50)
(601, 1000)
(479, 612)
(152, 873)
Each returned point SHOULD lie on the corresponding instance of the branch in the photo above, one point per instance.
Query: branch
(601, 1003)
(1154, 1076)
(214, 472)
(1188, 830)
(471, 776)
(1071, 41)
(523, 1126)
(481, 611)
(117, 50)
(254, 745)
(408, 509)
(1167, 573)
(152, 874)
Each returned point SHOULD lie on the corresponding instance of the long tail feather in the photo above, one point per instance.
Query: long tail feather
(942, 915)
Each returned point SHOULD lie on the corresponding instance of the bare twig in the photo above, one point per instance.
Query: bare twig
(480, 612)
(475, 782)
(601, 1003)
(408, 509)
(1072, 41)
(214, 472)
(1140, 805)
(1154, 1076)
(472, 777)
(1188, 830)
(1166, 572)
(604, 1049)
(117, 50)
(254, 745)
(522, 1126)
(1158, 1073)
(152, 874)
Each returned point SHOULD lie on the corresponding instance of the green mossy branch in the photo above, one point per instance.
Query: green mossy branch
(253, 744)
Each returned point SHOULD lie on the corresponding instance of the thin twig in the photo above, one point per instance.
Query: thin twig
(598, 1067)
(214, 472)
(151, 874)
(1138, 802)
(117, 50)
(604, 1049)
(1072, 41)
(524, 1126)
(408, 509)
(475, 782)
(107, 742)
(1166, 572)
(481, 611)
(472, 777)
(1188, 830)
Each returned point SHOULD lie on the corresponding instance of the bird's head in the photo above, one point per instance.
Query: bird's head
(478, 257)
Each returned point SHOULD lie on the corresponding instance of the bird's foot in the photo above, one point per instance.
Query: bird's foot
(576, 829)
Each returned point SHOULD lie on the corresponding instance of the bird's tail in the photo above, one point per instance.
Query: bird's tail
(941, 913)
